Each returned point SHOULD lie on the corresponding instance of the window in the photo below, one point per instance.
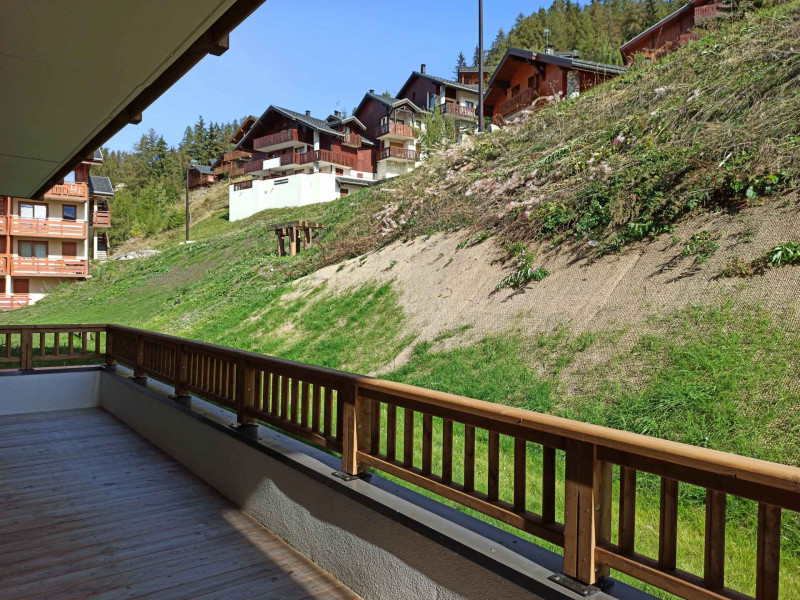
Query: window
(69, 212)
(29, 210)
(69, 250)
(469, 104)
(33, 249)
(532, 82)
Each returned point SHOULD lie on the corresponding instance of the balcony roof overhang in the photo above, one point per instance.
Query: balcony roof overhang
(75, 73)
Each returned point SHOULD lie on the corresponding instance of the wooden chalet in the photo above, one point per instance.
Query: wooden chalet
(673, 31)
(47, 241)
(201, 176)
(469, 75)
(524, 76)
(231, 164)
(393, 124)
(452, 98)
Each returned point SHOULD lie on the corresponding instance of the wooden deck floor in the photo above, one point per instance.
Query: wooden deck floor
(92, 510)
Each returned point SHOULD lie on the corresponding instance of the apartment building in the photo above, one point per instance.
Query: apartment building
(231, 164)
(298, 159)
(523, 76)
(455, 100)
(393, 125)
(46, 242)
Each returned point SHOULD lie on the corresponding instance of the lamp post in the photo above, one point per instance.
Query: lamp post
(480, 66)
(191, 164)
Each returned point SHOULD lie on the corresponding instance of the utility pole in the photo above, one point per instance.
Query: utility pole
(480, 66)
(188, 216)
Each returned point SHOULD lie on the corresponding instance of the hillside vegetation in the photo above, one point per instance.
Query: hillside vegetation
(610, 259)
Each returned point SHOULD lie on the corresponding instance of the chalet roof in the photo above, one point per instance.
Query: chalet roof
(100, 186)
(660, 24)
(334, 120)
(389, 102)
(354, 181)
(474, 69)
(248, 122)
(466, 87)
(312, 122)
(96, 157)
(204, 169)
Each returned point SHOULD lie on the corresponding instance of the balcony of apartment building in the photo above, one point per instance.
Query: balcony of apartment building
(13, 302)
(451, 108)
(68, 191)
(517, 102)
(3, 225)
(401, 154)
(46, 266)
(176, 468)
(352, 140)
(288, 138)
(395, 131)
(101, 217)
(46, 227)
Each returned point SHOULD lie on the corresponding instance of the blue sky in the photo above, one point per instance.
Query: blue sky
(313, 54)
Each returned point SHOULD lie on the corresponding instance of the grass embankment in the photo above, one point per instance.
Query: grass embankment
(712, 127)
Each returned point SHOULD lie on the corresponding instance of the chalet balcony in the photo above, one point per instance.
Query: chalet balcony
(518, 101)
(288, 138)
(399, 154)
(3, 265)
(452, 109)
(237, 155)
(48, 267)
(172, 468)
(352, 139)
(324, 157)
(395, 131)
(14, 301)
(3, 225)
(101, 218)
(68, 191)
(51, 228)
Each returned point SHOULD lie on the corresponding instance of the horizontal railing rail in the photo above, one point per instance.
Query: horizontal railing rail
(68, 191)
(457, 110)
(49, 267)
(518, 101)
(399, 153)
(397, 129)
(282, 137)
(25, 345)
(14, 301)
(3, 225)
(461, 449)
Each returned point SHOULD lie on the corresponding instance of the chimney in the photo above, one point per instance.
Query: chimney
(372, 91)
(422, 68)
(308, 113)
(548, 49)
(337, 113)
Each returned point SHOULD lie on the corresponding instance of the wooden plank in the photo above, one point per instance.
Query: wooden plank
(469, 458)
(668, 525)
(349, 430)
(427, 443)
(295, 400)
(493, 476)
(447, 451)
(305, 404)
(601, 504)
(714, 560)
(627, 510)
(275, 395)
(579, 512)
(316, 408)
(391, 432)
(520, 473)
(408, 438)
(328, 417)
(768, 552)
(284, 412)
(548, 484)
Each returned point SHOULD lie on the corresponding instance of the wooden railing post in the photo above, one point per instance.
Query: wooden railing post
(139, 373)
(245, 393)
(111, 362)
(587, 511)
(26, 350)
(181, 373)
(356, 429)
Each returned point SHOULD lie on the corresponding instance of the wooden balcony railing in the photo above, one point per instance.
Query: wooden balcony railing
(13, 302)
(54, 228)
(375, 424)
(3, 266)
(336, 158)
(352, 139)
(399, 154)
(68, 191)
(707, 11)
(101, 218)
(48, 267)
(457, 110)
(239, 155)
(518, 101)
(27, 345)
(287, 135)
(395, 129)
(3, 225)
(243, 185)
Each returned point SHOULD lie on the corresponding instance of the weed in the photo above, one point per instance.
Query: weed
(702, 246)
(392, 264)
(785, 254)
(474, 241)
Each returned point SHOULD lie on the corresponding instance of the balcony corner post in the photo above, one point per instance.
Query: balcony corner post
(181, 374)
(26, 350)
(355, 430)
(111, 362)
(139, 373)
(245, 395)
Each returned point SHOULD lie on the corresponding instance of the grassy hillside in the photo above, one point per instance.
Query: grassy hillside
(673, 183)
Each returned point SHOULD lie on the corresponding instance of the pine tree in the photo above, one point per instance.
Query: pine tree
(497, 49)
(461, 62)
(476, 56)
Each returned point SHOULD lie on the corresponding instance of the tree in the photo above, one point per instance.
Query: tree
(497, 49)
(461, 62)
(476, 56)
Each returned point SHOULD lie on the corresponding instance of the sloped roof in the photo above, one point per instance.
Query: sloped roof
(313, 122)
(659, 25)
(474, 69)
(389, 102)
(100, 186)
(441, 81)
(355, 180)
(204, 169)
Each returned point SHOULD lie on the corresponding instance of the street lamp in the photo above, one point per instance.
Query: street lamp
(480, 66)
(191, 164)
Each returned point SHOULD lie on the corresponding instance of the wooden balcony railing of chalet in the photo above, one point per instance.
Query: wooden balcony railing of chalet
(48, 267)
(68, 191)
(457, 110)
(374, 424)
(101, 218)
(518, 101)
(281, 137)
(13, 302)
(708, 11)
(54, 228)
(240, 155)
(352, 139)
(3, 225)
(3, 266)
(395, 129)
(336, 158)
(243, 185)
(399, 153)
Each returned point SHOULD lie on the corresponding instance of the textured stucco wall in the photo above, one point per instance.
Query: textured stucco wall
(55, 391)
